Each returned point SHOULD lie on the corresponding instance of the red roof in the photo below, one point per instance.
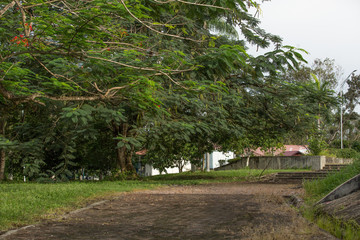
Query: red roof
(292, 153)
(284, 151)
(141, 152)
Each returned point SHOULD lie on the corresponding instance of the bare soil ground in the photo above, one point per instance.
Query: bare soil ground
(215, 211)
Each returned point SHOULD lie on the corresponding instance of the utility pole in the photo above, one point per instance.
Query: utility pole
(341, 108)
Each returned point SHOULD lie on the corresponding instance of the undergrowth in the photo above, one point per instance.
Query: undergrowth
(346, 230)
(317, 189)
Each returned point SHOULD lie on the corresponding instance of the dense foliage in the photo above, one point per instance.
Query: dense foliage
(86, 84)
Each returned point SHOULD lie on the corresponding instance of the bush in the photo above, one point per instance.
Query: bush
(337, 144)
(316, 145)
(345, 153)
(356, 146)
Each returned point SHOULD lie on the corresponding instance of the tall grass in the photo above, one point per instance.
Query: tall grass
(317, 189)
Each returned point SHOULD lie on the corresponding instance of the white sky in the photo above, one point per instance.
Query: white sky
(324, 28)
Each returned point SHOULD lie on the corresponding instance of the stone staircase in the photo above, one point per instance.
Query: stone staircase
(333, 167)
(299, 177)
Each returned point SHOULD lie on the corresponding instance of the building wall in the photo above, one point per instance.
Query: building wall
(216, 156)
(186, 168)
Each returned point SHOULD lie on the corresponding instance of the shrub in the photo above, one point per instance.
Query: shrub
(345, 153)
(316, 145)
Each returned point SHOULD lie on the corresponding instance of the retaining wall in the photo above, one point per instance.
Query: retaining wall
(348, 187)
(284, 162)
(333, 160)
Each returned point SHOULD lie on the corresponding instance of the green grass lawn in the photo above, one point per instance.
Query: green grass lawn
(27, 203)
(213, 176)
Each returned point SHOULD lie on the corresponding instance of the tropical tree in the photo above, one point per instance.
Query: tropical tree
(127, 72)
(350, 116)
(119, 53)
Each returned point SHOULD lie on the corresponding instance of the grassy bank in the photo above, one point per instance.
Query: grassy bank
(346, 230)
(317, 189)
(27, 203)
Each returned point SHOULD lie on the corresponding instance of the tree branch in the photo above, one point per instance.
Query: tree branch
(152, 29)
(20, 99)
(57, 75)
(122, 64)
(177, 83)
(196, 4)
(121, 43)
(3, 77)
(23, 14)
(39, 4)
(10, 5)
(116, 89)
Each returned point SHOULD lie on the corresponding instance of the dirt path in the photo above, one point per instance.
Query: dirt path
(216, 211)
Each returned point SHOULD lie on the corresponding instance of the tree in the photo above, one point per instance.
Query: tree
(114, 52)
(326, 70)
(350, 116)
(126, 71)
(319, 100)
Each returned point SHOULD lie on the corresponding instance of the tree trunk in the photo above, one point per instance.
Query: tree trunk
(2, 152)
(2, 164)
(180, 166)
(124, 156)
(128, 164)
(248, 160)
(120, 161)
(203, 163)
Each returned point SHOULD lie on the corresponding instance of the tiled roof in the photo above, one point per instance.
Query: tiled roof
(283, 151)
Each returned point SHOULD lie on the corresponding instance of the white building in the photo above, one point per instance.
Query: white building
(215, 161)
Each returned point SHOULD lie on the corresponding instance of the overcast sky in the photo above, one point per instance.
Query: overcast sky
(324, 28)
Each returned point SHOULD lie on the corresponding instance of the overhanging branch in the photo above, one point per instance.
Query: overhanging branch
(10, 5)
(152, 29)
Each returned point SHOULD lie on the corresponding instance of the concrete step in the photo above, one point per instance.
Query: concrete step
(303, 174)
(299, 177)
(328, 170)
(334, 166)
